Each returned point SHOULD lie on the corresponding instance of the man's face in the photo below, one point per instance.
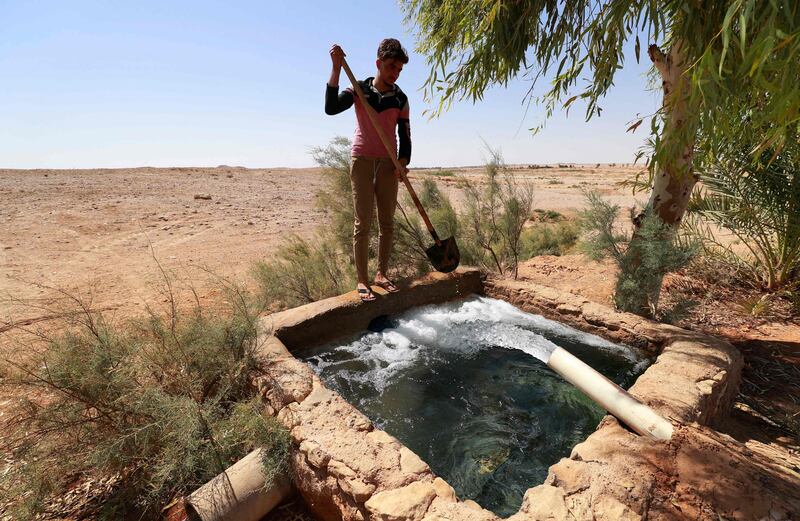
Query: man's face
(390, 69)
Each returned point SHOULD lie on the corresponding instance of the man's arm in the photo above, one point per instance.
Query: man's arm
(334, 101)
(404, 133)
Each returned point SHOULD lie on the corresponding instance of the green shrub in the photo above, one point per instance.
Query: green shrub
(549, 239)
(411, 235)
(304, 271)
(164, 402)
(757, 200)
(489, 232)
(497, 208)
(307, 270)
(642, 263)
(336, 199)
(547, 215)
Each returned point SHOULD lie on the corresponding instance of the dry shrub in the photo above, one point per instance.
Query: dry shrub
(163, 402)
(489, 232)
(497, 209)
(304, 271)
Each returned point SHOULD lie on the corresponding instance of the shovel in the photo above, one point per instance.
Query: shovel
(444, 253)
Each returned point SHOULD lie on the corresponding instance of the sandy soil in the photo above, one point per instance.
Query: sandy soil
(104, 229)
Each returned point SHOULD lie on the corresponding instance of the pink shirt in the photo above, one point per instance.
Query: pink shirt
(390, 108)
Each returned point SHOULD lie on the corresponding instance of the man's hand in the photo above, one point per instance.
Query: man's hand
(403, 163)
(337, 55)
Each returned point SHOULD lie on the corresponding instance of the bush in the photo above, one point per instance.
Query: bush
(336, 200)
(549, 239)
(547, 215)
(489, 233)
(304, 271)
(497, 209)
(163, 402)
(643, 262)
(758, 202)
(411, 235)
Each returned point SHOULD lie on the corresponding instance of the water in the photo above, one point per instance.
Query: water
(465, 386)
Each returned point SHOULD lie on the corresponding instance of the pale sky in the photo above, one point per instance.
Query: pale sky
(200, 83)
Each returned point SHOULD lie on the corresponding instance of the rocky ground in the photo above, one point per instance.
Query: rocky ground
(104, 233)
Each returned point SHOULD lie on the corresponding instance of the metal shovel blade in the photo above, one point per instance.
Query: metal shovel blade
(444, 256)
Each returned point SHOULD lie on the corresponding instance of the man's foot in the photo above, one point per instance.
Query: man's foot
(388, 285)
(365, 293)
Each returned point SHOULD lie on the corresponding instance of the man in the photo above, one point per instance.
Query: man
(372, 175)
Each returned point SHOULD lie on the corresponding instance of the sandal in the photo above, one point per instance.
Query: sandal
(387, 285)
(366, 294)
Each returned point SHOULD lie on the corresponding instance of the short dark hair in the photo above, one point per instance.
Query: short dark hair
(391, 48)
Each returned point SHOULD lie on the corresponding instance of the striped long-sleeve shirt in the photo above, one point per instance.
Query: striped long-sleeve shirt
(393, 113)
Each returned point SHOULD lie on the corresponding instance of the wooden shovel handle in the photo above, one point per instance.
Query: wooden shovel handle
(389, 149)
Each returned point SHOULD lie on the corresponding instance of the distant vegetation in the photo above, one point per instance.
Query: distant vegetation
(442, 173)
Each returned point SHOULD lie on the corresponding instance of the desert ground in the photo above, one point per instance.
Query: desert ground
(106, 231)
(106, 234)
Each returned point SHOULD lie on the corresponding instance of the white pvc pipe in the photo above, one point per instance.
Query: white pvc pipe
(610, 396)
(238, 494)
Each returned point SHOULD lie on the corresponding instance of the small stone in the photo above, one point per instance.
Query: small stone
(411, 463)
(359, 422)
(444, 490)
(473, 505)
(611, 508)
(545, 502)
(288, 419)
(340, 470)
(204, 197)
(408, 503)
(357, 489)
(316, 457)
(381, 437)
(318, 395)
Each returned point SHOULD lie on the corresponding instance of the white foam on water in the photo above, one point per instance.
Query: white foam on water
(464, 327)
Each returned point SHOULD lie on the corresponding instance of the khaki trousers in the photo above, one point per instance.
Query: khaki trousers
(373, 181)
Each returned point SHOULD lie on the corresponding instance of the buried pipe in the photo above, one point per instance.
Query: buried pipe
(238, 494)
(611, 397)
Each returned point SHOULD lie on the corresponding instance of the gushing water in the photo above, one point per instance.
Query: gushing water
(465, 386)
(463, 327)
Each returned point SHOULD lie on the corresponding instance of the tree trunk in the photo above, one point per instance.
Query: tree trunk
(675, 177)
(673, 180)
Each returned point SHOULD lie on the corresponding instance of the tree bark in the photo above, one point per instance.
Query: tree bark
(675, 178)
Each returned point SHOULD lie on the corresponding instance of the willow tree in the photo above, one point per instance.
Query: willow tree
(704, 53)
